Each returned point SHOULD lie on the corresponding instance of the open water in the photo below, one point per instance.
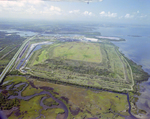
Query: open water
(137, 48)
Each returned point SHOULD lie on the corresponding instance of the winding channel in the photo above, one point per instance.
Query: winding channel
(22, 63)
(61, 104)
(33, 48)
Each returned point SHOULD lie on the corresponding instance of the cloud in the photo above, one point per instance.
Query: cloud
(128, 16)
(31, 10)
(29, 7)
(143, 16)
(87, 13)
(11, 3)
(104, 14)
(138, 11)
(18, 6)
(120, 17)
(20, 3)
(53, 8)
(34, 1)
(74, 11)
(11, 6)
(39, 1)
(90, 13)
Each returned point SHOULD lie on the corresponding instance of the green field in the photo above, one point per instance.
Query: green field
(89, 103)
(90, 79)
(87, 52)
(99, 65)
(82, 103)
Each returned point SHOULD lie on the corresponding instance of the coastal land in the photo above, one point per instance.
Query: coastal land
(65, 77)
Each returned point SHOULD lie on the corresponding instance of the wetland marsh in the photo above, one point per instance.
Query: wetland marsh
(73, 78)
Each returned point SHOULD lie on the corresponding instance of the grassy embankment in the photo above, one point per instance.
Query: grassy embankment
(35, 40)
(97, 65)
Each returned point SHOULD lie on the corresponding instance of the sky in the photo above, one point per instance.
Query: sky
(118, 11)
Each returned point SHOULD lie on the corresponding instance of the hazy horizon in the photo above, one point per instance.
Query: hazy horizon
(111, 11)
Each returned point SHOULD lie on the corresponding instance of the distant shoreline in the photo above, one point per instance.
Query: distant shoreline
(110, 38)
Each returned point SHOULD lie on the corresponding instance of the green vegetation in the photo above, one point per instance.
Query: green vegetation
(138, 73)
(14, 80)
(50, 102)
(9, 44)
(30, 91)
(99, 65)
(27, 109)
(80, 101)
(5, 103)
(73, 72)
(41, 57)
(32, 107)
(88, 52)
(87, 103)
(52, 113)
